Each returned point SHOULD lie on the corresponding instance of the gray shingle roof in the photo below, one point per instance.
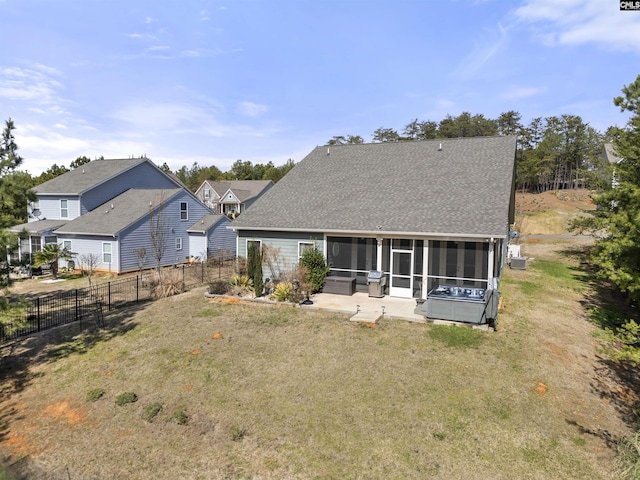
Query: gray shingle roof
(609, 153)
(243, 189)
(39, 227)
(206, 222)
(86, 176)
(401, 187)
(115, 215)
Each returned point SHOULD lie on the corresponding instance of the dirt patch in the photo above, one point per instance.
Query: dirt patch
(64, 410)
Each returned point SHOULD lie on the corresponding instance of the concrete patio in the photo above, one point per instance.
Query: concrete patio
(367, 309)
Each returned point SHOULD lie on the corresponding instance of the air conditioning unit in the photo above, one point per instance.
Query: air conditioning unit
(518, 263)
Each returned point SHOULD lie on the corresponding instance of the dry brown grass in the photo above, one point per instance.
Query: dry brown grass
(279, 392)
(551, 212)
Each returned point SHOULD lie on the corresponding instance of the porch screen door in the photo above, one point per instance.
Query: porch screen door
(401, 269)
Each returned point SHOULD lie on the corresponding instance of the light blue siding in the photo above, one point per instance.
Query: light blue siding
(85, 245)
(50, 207)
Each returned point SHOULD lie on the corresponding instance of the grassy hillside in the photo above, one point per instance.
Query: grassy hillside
(549, 213)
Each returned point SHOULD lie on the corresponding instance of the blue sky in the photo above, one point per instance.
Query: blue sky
(265, 80)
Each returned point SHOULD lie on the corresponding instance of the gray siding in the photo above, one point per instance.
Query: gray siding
(287, 242)
(138, 235)
(143, 175)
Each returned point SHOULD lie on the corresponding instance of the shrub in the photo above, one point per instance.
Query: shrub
(149, 412)
(180, 416)
(313, 261)
(283, 291)
(95, 394)
(241, 281)
(237, 433)
(126, 397)
(627, 461)
(219, 287)
(254, 268)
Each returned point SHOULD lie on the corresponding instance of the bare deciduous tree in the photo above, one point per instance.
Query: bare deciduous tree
(141, 256)
(159, 233)
(88, 263)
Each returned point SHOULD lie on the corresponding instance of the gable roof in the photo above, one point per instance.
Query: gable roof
(463, 188)
(609, 153)
(243, 189)
(205, 223)
(89, 175)
(113, 216)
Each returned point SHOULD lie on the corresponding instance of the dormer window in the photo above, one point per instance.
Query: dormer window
(207, 193)
(64, 208)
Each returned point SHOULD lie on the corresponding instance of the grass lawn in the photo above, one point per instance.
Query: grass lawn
(232, 390)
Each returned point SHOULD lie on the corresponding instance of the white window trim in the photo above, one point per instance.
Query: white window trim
(110, 252)
(65, 208)
(306, 243)
(207, 193)
(252, 240)
(178, 243)
(186, 211)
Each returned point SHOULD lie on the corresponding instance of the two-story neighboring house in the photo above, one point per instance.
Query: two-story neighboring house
(231, 197)
(110, 208)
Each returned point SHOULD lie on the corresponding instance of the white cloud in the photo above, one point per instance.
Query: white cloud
(484, 51)
(251, 109)
(577, 22)
(34, 85)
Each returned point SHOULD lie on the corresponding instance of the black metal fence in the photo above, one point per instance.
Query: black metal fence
(90, 303)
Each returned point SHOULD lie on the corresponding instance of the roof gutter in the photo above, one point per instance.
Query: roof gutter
(375, 233)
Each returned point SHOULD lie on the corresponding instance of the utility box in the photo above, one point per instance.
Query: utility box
(518, 263)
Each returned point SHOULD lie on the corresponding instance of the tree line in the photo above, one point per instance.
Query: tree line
(553, 152)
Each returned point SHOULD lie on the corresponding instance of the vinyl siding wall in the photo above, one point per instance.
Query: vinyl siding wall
(221, 238)
(138, 235)
(85, 245)
(287, 242)
(143, 175)
(50, 207)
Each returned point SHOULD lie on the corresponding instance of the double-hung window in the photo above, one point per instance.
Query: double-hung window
(184, 211)
(64, 208)
(106, 252)
(178, 243)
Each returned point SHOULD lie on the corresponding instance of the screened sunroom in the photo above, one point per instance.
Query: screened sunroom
(463, 263)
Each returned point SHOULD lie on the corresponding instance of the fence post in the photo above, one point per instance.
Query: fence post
(38, 305)
(76, 304)
(202, 275)
(109, 295)
(137, 288)
(183, 278)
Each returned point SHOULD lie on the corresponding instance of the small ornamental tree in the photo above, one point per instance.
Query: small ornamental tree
(51, 254)
(254, 268)
(315, 263)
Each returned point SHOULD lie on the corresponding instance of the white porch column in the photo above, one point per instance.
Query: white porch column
(379, 254)
(425, 268)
